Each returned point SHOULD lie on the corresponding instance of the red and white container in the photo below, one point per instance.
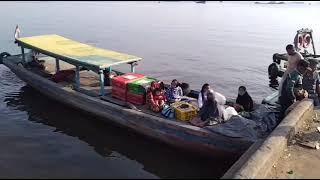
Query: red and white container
(120, 83)
(119, 93)
(123, 80)
(136, 98)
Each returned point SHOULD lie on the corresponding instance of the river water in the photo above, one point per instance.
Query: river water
(225, 44)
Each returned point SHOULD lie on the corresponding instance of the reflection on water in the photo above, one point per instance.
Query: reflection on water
(106, 139)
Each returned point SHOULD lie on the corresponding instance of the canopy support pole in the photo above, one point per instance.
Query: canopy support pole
(314, 49)
(57, 65)
(23, 54)
(132, 67)
(77, 77)
(101, 75)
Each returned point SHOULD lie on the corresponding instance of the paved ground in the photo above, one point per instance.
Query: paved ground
(301, 161)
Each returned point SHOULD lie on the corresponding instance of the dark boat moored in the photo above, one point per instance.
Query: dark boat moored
(303, 42)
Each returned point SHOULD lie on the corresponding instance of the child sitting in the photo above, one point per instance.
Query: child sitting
(159, 98)
(155, 97)
(174, 93)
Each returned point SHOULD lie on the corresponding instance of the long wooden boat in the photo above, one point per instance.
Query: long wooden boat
(88, 93)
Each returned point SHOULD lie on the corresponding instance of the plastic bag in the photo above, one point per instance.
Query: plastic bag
(228, 113)
(168, 112)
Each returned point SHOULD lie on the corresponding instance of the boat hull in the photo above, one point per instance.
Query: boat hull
(184, 136)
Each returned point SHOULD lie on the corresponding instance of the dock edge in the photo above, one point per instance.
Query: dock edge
(258, 160)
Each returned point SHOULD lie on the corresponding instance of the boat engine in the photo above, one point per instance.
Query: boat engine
(273, 71)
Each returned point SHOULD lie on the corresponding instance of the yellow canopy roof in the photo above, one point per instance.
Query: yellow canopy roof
(74, 52)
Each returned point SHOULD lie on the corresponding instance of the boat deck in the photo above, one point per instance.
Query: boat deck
(89, 85)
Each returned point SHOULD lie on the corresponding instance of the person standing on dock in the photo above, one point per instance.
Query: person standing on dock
(291, 83)
(311, 81)
(293, 58)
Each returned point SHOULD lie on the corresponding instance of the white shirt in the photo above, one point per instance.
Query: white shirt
(221, 99)
(225, 113)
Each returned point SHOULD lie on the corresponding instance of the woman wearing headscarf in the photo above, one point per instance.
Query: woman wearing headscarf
(244, 99)
(203, 95)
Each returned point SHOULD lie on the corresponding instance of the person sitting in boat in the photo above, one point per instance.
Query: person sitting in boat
(310, 82)
(203, 94)
(185, 88)
(244, 100)
(63, 75)
(35, 62)
(226, 112)
(293, 58)
(221, 99)
(174, 92)
(155, 95)
(208, 111)
(292, 82)
(159, 99)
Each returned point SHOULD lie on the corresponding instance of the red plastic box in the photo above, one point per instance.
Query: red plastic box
(119, 93)
(123, 80)
(136, 98)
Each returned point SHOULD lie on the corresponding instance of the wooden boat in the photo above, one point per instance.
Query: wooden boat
(88, 93)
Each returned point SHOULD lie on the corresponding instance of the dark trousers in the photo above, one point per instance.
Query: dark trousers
(315, 99)
(285, 103)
